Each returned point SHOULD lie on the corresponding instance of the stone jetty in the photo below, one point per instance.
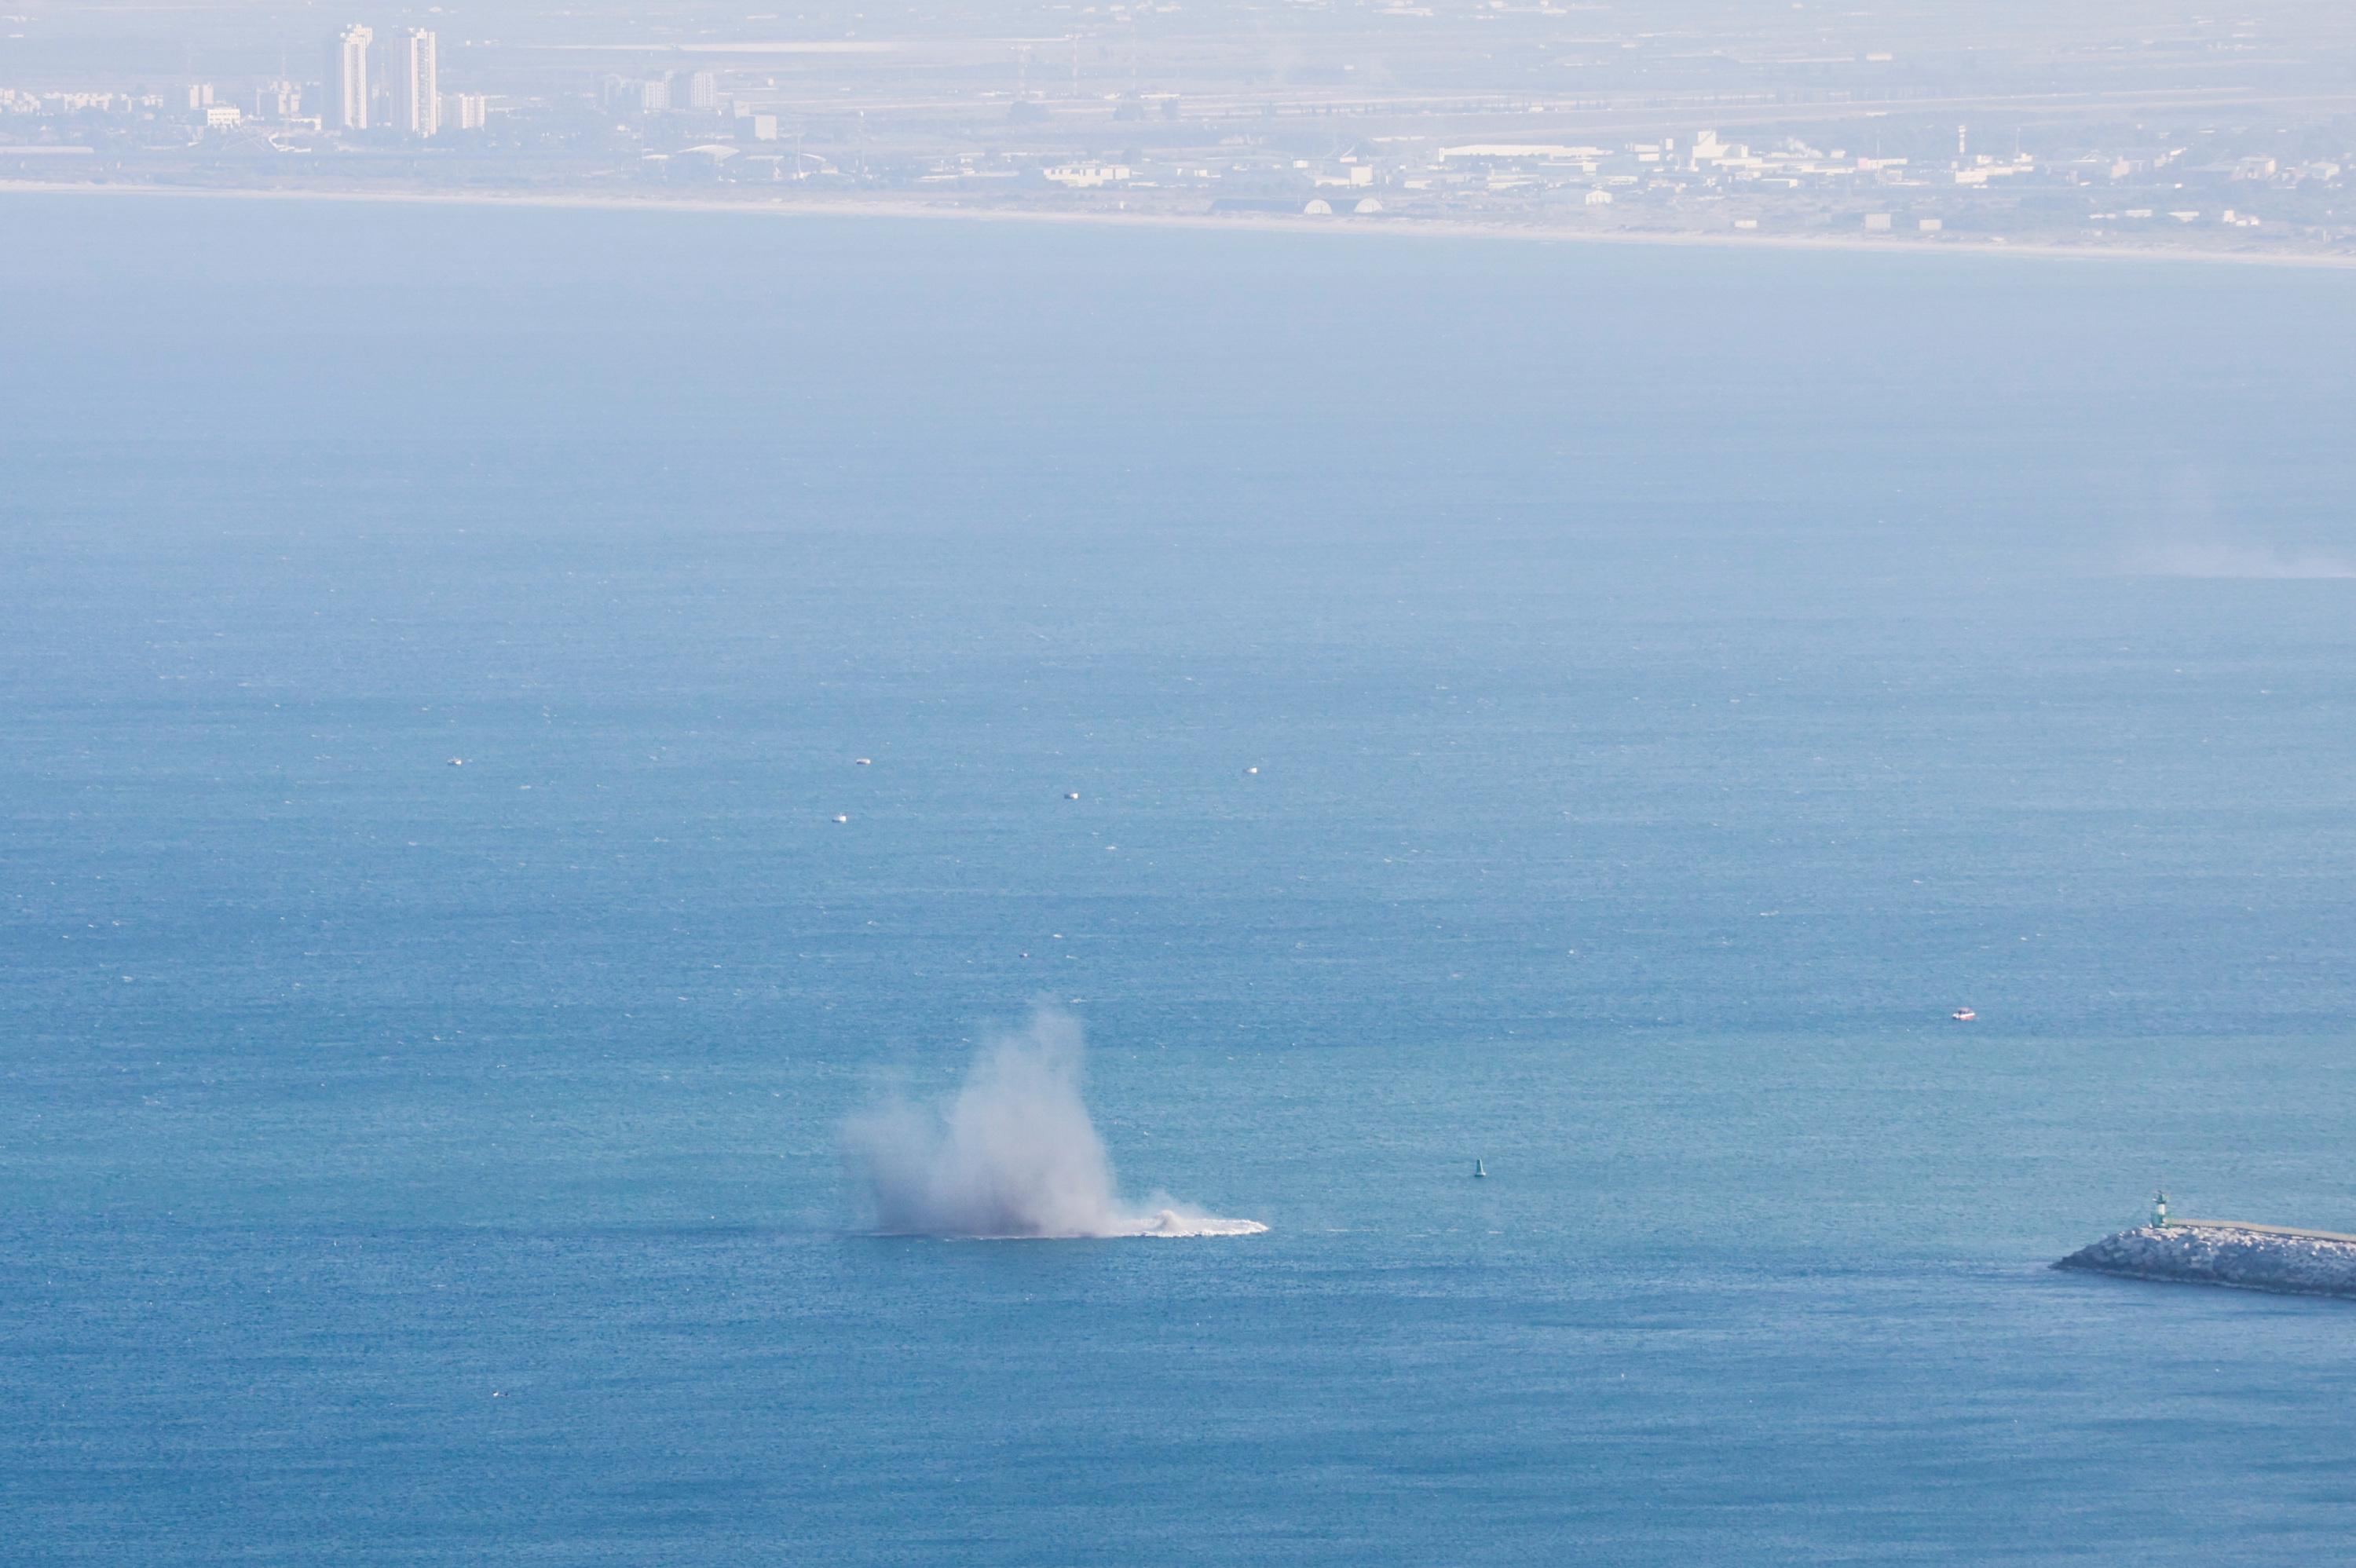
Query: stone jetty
(2226, 1251)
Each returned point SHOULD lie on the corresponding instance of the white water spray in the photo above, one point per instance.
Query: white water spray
(2254, 562)
(1014, 1154)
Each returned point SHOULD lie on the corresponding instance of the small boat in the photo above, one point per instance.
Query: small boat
(842, 818)
(865, 761)
(1480, 1171)
(1963, 1015)
(1071, 795)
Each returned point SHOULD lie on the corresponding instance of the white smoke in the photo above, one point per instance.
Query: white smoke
(1013, 1153)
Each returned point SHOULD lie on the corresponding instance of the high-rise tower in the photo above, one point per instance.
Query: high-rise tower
(416, 95)
(348, 79)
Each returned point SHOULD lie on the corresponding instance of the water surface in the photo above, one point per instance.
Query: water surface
(1677, 678)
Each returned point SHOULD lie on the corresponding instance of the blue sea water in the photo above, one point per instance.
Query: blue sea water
(1676, 679)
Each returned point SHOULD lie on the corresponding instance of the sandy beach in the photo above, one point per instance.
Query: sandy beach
(1446, 228)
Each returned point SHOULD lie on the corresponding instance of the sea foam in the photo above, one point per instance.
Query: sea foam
(1013, 1153)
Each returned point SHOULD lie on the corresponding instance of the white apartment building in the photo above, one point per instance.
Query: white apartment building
(348, 79)
(416, 94)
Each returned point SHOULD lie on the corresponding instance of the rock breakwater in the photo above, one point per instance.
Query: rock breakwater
(2247, 1257)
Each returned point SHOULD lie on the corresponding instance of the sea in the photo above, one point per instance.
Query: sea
(1591, 709)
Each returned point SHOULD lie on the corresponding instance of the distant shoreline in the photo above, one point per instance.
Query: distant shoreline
(1453, 229)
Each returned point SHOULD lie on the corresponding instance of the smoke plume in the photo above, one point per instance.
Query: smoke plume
(1013, 1153)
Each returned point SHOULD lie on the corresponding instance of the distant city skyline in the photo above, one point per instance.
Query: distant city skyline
(2198, 134)
(394, 83)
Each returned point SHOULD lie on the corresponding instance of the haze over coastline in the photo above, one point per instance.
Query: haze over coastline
(2096, 127)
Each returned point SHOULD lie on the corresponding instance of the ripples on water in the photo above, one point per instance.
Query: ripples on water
(1595, 713)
